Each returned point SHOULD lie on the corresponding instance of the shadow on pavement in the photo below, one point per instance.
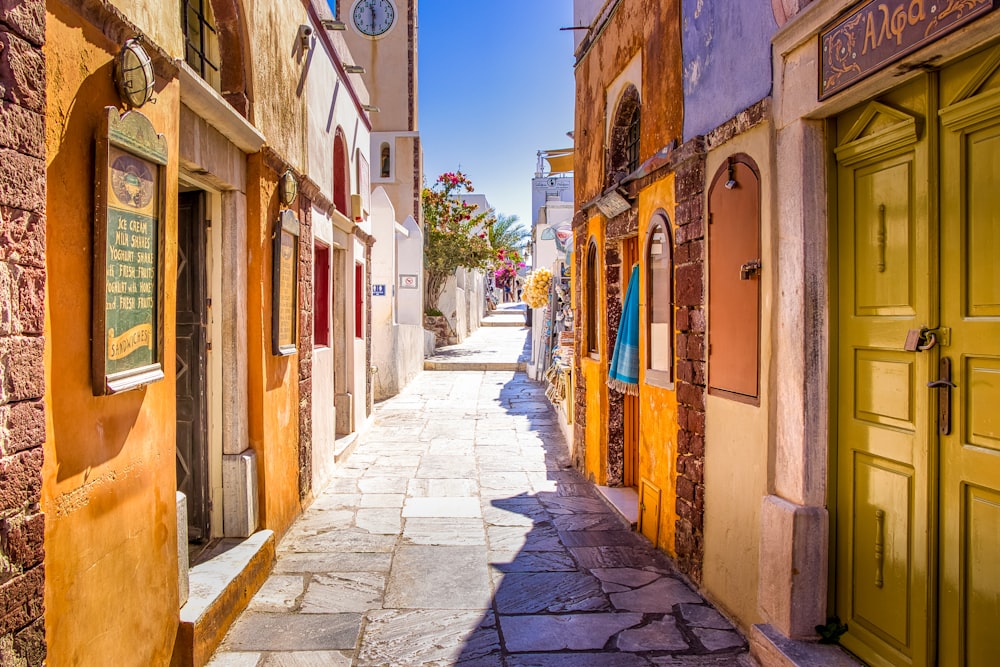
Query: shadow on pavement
(572, 585)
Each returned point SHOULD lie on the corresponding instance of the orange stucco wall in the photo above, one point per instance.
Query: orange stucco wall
(640, 46)
(273, 380)
(109, 479)
(595, 369)
(657, 404)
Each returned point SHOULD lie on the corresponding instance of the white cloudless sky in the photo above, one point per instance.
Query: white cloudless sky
(495, 86)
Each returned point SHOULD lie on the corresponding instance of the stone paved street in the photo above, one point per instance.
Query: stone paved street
(457, 534)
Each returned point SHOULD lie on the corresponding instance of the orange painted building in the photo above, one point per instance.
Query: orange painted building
(629, 114)
(180, 233)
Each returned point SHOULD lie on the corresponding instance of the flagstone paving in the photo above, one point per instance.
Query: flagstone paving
(457, 534)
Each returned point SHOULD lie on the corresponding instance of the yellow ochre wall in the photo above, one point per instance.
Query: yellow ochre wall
(109, 485)
(273, 380)
(595, 370)
(657, 405)
(736, 458)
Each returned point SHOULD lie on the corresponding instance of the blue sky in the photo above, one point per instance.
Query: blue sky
(495, 86)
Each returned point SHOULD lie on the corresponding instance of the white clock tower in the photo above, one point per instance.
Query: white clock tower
(382, 37)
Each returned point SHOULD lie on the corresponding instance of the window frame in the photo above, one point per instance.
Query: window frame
(208, 42)
(660, 377)
(341, 174)
(322, 304)
(631, 148)
(592, 337)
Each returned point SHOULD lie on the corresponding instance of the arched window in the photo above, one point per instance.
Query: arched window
(593, 308)
(341, 173)
(659, 253)
(216, 48)
(632, 142)
(202, 41)
(384, 160)
(624, 154)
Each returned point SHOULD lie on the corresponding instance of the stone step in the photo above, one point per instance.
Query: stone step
(220, 589)
(772, 649)
(474, 366)
(503, 323)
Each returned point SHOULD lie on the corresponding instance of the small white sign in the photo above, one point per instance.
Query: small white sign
(407, 281)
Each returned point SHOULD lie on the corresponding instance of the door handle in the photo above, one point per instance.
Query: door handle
(944, 385)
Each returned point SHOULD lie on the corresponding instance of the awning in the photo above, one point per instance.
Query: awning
(560, 160)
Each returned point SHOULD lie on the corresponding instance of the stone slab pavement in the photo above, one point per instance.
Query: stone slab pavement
(458, 534)
(500, 344)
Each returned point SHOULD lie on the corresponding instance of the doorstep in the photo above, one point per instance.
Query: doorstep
(773, 649)
(624, 500)
(221, 588)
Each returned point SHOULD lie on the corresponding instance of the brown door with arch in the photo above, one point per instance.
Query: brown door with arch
(734, 266)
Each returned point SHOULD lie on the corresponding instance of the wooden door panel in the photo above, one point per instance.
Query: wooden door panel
(883, 239)
(884, 390)
(981, 404)
(883, 477)
(980, 609)
(982, 270)
(883, 549)
(970, 307)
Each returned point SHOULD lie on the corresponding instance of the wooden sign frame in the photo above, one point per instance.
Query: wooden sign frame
(877, 33)
(127, 320)
(285, 285)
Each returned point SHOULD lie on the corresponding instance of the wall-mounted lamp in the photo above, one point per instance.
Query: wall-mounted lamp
(305, 36)
(370, 108)
(288, 188)
(333, 24)
(731, 183)
(134, 74)
(354, 69)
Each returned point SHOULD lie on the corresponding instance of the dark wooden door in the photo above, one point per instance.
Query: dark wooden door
(192, 419)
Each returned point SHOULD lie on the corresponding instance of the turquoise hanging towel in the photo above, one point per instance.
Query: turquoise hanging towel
(623, 373)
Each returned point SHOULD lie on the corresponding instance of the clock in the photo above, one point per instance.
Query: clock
(373, 18)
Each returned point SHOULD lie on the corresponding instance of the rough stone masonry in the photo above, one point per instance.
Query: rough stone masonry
(22, 314)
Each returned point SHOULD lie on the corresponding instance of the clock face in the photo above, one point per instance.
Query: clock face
(373, 17)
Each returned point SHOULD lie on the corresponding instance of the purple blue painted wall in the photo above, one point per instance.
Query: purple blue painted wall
(727, 59)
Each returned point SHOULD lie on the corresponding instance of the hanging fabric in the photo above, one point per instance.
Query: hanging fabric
(623, 373)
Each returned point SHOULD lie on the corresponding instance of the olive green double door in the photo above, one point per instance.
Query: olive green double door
(917, 284)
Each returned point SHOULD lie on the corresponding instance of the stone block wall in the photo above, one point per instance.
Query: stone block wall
(306, 317)
(22, 315)
(689, 292)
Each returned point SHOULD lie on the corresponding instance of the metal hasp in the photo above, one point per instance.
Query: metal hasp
(750, 269)
(944, 385)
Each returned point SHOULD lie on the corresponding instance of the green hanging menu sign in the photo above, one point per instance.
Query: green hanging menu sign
(128, 268)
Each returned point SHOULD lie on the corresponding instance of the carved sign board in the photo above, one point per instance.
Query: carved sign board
(880, 32)
(128, 270)
(284, 285)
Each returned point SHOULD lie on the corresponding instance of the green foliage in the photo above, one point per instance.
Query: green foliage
(433, 312)
(507, 234)
(455, 233)
(831, 632)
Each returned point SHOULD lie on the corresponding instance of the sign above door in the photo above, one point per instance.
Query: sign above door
(880, 32)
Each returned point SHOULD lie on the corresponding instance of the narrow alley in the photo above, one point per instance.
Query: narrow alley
(457, 533)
